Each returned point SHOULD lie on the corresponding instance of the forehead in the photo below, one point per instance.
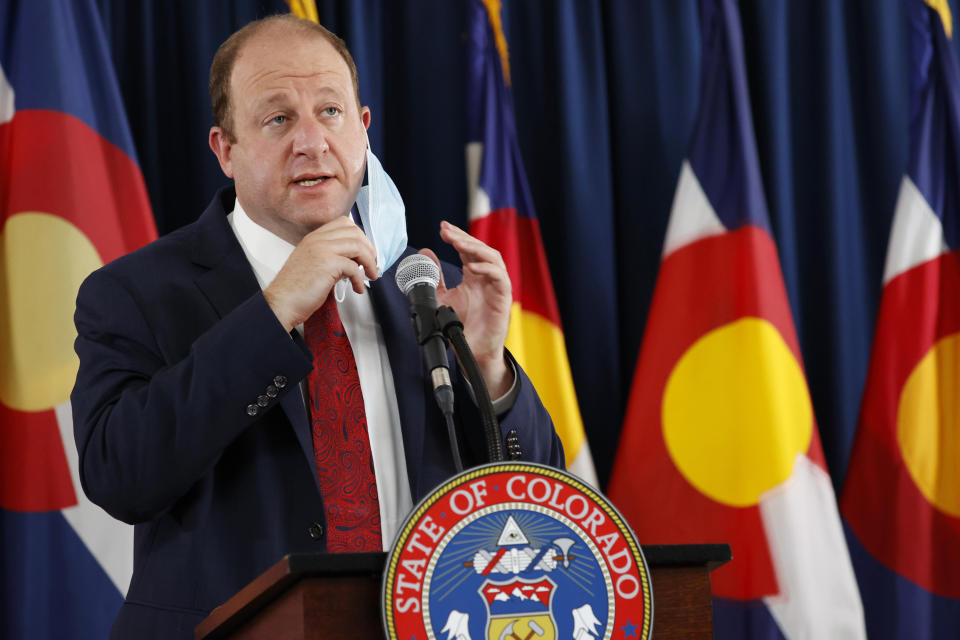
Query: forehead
(279, 55)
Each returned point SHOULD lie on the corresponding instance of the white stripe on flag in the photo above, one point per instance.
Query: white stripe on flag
(6, 99)
(109, 540)
(818, 592)
(916, 234)
(692, 216)
(479, 205)
(582, 465)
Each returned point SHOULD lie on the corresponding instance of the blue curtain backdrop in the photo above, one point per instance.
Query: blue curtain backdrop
(605, 97)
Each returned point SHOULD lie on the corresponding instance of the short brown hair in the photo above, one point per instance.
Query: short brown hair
(223, 60)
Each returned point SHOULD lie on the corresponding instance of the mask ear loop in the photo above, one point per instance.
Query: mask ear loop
(370, 198)
(340, 289)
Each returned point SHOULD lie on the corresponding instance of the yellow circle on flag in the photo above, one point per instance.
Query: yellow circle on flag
(43, 260)
(928, 424)
(736, 412)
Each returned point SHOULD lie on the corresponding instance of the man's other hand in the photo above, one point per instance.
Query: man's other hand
(482, 300)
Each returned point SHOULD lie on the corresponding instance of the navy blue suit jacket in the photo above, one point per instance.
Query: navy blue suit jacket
(175, 341)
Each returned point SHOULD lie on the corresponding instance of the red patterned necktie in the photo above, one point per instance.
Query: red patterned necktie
(341, 445)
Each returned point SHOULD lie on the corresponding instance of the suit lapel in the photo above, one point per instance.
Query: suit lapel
(406, 365)
(229, 281)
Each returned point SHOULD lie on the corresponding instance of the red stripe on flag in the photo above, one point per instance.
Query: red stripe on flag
(891, 517)
(518, 240)
(34, 475)
(57, 164)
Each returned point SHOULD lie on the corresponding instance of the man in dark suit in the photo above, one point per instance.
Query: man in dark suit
(202, 416)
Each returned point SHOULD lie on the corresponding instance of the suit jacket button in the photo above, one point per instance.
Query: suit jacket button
(263, 401)
(252, 409)
(513, 445)
(272, 391)
(280, 381)
(316, 531)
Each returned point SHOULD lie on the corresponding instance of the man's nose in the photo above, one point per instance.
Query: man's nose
(310, 138)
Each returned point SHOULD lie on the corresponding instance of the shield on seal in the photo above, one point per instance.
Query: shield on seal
(520, 609)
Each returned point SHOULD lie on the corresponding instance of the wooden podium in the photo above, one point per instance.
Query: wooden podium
(337, 595)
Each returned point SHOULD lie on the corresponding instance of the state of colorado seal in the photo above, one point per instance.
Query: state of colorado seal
(513, 551)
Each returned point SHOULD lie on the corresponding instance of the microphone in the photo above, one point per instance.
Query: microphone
(418, 277)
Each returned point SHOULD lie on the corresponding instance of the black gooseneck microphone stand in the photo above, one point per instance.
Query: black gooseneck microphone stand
(452, 330)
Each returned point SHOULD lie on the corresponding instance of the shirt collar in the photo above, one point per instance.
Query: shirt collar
(266, 251)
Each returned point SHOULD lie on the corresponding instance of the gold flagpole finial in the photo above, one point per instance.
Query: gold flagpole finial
(493, 11)
(304, 9)
(943, 8)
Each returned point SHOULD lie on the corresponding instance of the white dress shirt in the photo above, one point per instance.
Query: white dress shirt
(267, 253)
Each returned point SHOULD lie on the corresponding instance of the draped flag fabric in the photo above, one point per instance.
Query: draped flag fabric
(901, 497)
(719, 442)
(501, 214)
(71, 198)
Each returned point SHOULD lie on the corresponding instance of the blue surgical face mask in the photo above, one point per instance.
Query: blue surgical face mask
(382, 214)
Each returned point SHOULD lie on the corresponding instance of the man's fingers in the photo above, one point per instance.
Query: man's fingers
(339, 221)
(346, 242)
(368, 260)
(488, 270)
(469, 248)
(356, 279)
(359, 254)
(494, 274)
(430, 254)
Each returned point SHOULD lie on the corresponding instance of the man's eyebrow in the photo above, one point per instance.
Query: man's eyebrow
(280, 98)
(329, 91)
(272, 100)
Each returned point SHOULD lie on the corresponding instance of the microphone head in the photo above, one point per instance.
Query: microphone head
(417, 269)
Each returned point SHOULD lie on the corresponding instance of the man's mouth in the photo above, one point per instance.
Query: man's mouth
(309, 182)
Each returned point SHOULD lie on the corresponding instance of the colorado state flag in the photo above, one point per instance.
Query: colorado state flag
(901, 497)
(720, 443)
(71, 198)
(502, 215)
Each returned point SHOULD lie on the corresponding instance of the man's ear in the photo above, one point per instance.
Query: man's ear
(365, 117)
(221, 146)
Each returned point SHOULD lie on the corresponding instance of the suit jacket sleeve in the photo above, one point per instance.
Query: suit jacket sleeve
(150, 422)
(528, 418)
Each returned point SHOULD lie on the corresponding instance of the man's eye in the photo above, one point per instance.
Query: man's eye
(331, 111)
(278, 119)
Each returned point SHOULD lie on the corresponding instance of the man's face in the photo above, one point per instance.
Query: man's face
(300, 147)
